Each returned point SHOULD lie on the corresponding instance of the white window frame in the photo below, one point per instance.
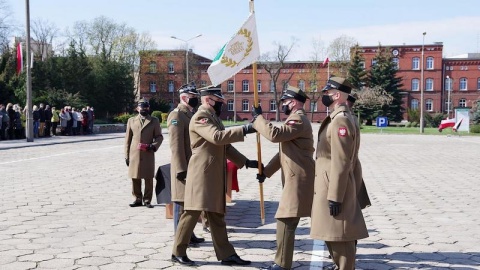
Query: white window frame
(429, 104)
(414, 104)
(415, 82)
(301, 85)
(478, 83)
(230, 86)
(245, 86)
(153, 87)
(462, 102)
(463, 84)
(245, 105)
(273, 105)
(171, 86)
(272, 86)
(416, 63)
(448, 84)
(259, 85)
(152, 67)
(171, 67)
(429, 63)
(313, 106)
(230, 105)
(429, 84)
(396, 61)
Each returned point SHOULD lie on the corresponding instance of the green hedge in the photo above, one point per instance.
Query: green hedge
(475, 128)
(123, 118)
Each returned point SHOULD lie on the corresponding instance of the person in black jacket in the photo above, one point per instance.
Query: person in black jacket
(41, 129)
(11, 123)
(48, 120)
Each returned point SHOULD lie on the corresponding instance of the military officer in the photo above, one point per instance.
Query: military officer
(142, 139)
(362, 195)
(177, 123)
(336, 214)
(206, 178)
(295, 160)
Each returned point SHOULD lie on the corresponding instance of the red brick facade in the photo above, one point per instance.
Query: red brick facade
(163, 72)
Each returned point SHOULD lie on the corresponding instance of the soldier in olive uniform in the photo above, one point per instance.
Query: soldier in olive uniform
(336, 214)
(295, 159)
(206, 179)
(177, 123)
(142, 139)
(362, 195)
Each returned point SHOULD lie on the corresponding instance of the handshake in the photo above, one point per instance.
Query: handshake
(254, 164)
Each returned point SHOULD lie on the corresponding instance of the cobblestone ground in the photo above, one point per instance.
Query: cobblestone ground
(64, 205)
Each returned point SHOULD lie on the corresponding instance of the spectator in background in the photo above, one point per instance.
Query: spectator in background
(64, 117)
(55, 119)
(74, 116)
(79, 121)
(11, 121)
(68, 110)
(36, 121)
(84, 121)
(19, 132)
(3, 122)
(41, 128)
(91, 118)
(48, 120)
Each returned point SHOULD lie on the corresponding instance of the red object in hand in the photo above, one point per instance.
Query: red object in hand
(233, 168)
(143, 146)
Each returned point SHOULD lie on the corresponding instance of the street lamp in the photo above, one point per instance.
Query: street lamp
(422, 85)
(186, 51)
(449, 89)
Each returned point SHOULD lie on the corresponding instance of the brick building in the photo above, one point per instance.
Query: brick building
(163, 72)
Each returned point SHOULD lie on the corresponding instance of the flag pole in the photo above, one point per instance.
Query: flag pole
(259, 148)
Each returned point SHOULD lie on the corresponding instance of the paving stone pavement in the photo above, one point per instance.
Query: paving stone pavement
(64, 205)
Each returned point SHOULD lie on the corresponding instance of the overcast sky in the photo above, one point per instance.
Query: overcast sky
(370, 22)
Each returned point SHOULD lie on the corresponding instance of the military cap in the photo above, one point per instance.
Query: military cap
(351, 98)
(211, 91)
(143, 103)
(294, 92)
(188, 88)
(338, 83)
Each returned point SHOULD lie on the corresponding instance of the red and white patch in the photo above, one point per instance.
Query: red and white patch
(204, 120)
(342, 131)
(292, 122)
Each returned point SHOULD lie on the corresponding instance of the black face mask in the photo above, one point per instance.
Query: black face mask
(327, 100)
(143, 112)
(286, 110)
(193, 102)
(218, 107)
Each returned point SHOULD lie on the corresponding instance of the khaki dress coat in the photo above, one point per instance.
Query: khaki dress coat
(335, 181)
(178, 122)
(142, 163)
(211, 146)
(362, 194)
(295, 159)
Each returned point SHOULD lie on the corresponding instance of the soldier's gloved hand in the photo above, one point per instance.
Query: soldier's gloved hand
(251, 164)
(127, 162)
(182, 176)
(261, 178)
(256, 111)
(335, 208)
(248, 128)
(151, 148)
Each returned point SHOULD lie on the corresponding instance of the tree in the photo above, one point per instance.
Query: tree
(383, 74)
(476, 111)
(339, 53)
(43, 32)
(357, 75)
(370, 101)
(6, 25)
(273, 62)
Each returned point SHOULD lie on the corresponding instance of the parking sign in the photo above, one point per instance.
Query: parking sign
(382, 121)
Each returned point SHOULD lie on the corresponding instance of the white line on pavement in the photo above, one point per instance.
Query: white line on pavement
(56, 155)
(317, 253)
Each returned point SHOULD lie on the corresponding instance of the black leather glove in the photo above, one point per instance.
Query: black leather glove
(256, 111)
(182, 176)
(335, 208)
(248, 128)
(127, 161)
(151, 148)
(251, 164)
(261, 177)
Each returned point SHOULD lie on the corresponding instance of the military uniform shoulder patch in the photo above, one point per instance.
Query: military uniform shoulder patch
(174, 122)
(204, 120)
(342, 131)
(293, 122)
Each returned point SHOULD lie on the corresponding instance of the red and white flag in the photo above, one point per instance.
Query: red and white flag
(19, 58)
(325, 62)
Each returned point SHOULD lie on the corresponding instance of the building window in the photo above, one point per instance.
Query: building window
(429, 62)
(415, 63)
(273, 105)
(414, 104)
(429, 84)
(230, 105)
(301, 85)
(478, 84)
(374, 62)
(429, 105)
(245, 105)
(415, 83)
(462, 103)
(171, 68)
(272, 86)
(230, 86)
(284, 85)
(203, 83)
(362, 64)
(245, 87)
(448, 105)
(448, 84)
(152, 67)
(153, 87)
(259, 85)
(463, 83)
(313, 106)
(396, 62)
(171, 86)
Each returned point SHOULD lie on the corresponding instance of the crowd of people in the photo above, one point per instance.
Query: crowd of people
(47, 121)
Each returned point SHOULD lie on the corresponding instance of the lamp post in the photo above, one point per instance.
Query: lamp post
(449, 89)
(186, 52)
(422, 85)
